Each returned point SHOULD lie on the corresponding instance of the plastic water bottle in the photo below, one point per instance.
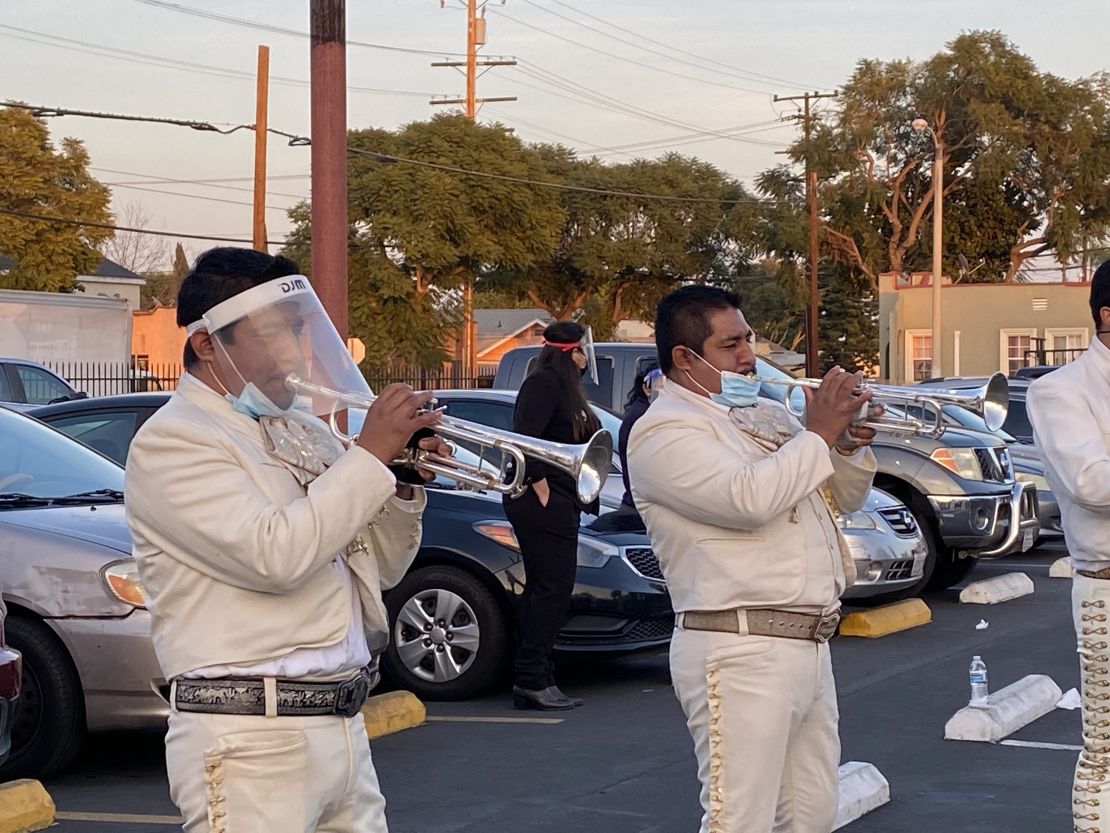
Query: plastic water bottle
(977, 674)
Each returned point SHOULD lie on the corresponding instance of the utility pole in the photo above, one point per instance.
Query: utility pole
(475, 37)
(328, 29)
(260, 135)
(807, 118)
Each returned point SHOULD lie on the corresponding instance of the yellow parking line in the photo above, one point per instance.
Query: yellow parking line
(465, 719)
(119, 818)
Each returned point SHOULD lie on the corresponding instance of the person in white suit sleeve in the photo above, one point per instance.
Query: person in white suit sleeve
(1070, 412)
(263, 545)
(740, 500)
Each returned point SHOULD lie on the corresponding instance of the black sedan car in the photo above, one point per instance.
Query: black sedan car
(468, 575)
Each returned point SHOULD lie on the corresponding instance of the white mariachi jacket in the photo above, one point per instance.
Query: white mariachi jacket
(235, 554)
(740, 507)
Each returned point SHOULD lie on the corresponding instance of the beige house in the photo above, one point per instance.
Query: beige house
(985, 327)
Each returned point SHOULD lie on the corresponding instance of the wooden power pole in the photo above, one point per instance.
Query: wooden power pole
(260, 134)
(328, 30)
(811, 203)
(475, 37)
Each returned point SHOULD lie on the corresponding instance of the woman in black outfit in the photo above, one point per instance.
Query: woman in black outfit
(551, 405)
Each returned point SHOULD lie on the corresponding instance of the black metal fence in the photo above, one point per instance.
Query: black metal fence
(110, 379)
(1041, 356)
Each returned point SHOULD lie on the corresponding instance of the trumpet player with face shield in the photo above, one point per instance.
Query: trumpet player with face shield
(264, 544)
(740, 500)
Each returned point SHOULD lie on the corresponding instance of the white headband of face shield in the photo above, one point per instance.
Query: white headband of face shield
(254, 299)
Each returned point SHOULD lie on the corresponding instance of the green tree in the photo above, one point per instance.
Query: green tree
(161, 288)
(419, 234)
(38, 179)
(1025, 160)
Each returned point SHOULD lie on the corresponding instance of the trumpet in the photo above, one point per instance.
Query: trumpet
(991, 402)
(587, 463)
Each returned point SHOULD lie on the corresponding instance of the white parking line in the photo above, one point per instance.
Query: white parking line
(1036, 744)
(466, 719)
(119, 818)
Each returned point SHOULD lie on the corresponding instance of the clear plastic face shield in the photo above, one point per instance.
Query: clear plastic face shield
(277, 343)
(587, 347)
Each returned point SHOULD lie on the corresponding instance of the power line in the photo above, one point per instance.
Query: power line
(130, 56)
(668, 55)
(385, 157)
(194, 196)
(203, 126)
(281, 30)
(67, 222)
(609, 103)
(620, 57)
(749, 74)
(150, 179)
(301, 141)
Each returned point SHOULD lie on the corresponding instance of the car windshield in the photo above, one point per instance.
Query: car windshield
(39, 462)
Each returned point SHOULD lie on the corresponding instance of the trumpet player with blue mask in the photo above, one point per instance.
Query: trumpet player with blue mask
(264, 543)
(740, 499)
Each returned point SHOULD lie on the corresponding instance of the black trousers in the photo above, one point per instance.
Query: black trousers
(548, 538)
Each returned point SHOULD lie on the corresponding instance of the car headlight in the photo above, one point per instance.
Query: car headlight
(1040, 483)
(960, 461)
(595, 553)
(500, 532)
(121, 580)
(858, 520)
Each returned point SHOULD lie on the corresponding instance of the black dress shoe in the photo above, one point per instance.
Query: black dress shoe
(542, 699)
(559, 693)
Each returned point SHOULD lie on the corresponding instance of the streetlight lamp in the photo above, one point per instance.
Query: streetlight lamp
(938, 224)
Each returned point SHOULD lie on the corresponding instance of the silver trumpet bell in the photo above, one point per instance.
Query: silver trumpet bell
(587, 463)
(991, 402)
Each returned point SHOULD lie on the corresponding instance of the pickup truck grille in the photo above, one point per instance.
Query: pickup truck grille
(996, 464)
(900, 520)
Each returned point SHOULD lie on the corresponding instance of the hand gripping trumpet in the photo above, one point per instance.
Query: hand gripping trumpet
(991, 402)
(587, 463)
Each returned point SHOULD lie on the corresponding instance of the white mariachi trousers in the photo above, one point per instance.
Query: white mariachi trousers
(763, 716)
(1090, 603)
(254, 774)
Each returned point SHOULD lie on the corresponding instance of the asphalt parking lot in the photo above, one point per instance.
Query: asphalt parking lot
(623, 763)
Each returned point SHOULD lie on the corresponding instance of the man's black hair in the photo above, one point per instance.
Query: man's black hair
(220, 274)
(1100, 293)
(682, 319)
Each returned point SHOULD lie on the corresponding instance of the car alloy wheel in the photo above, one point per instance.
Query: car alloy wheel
(437, 635)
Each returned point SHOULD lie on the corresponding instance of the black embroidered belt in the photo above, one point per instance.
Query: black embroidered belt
(294, 699)
(764, 622)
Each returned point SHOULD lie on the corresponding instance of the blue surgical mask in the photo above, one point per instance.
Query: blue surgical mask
(737, 390)
(254, 403)
(251, 401)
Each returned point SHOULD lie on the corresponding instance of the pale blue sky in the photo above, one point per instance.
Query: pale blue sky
(806, 43)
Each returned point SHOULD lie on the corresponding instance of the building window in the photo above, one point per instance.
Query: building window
(1016, 349)
(1064, 344)
(919, 355)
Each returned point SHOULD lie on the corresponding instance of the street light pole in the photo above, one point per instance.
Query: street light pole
(938, 241)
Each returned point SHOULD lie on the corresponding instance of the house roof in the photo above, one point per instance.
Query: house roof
(496, 326)
(503, 323)
(110, 269)
(105, 269)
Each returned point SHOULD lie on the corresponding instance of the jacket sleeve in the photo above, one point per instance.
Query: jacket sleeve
(1072, 441)
(395, 536)
(535, 408)
(189, 496)
(852, 478)
(693, 474)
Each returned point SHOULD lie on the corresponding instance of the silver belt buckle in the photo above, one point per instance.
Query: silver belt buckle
(351, 695)
(826, 627)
